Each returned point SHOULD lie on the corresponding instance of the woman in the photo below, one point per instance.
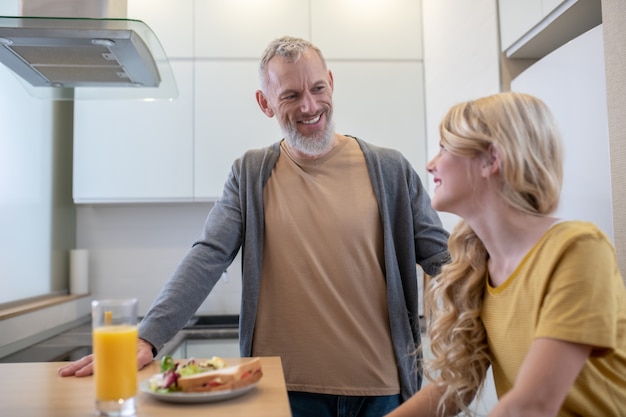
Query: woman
(539, 299)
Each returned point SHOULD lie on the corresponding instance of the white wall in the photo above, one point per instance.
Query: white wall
(25, 191)
(571, 81)
(461, 62)
(133, 250)
(26, 210)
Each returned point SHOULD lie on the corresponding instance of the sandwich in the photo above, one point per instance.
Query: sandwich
(228, 378)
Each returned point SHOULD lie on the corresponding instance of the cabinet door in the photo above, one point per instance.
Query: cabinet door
(133, 150)
(10, 8)
(348, 29)
(170, 20)
(238, 29)
(228, 121)
(548, 6)
(382, 103)
(207, 348)
(516, 18)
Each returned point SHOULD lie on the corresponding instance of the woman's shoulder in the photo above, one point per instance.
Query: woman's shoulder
(576, 229)
(567, 234)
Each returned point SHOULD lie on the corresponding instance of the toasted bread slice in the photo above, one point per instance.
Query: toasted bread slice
(232, 377)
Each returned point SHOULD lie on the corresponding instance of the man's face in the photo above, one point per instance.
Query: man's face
(300, 95)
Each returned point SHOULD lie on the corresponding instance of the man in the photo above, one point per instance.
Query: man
(331, 229)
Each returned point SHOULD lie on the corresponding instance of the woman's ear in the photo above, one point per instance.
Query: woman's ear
(264, 104)
(491, 161)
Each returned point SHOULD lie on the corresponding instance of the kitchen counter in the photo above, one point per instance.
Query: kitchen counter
(69, 345)
(34, 389)
(76, 342)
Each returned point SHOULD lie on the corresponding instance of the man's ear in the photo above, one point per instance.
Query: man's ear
(264, 104)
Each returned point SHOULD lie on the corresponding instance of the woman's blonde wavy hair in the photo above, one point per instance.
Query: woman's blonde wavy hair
(522, 130)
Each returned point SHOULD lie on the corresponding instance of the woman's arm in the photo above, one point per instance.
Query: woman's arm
(546, 375)
(423, 404)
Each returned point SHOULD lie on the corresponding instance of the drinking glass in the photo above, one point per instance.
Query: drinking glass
(114, 326)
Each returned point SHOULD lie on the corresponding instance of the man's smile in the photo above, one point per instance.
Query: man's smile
(311, 121)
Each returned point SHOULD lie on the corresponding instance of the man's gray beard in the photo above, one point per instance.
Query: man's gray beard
(307, 145)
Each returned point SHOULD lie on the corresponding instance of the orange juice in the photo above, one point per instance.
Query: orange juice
(115, 362)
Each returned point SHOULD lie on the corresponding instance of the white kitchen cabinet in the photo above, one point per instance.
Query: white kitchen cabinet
(516, 18)
(207, 348)
(382, 103)
(10, 8)
(133, 150)
(170, 20)
(242, 29)
(128, 151)
(228, 121)
(532, 29)
(548, 6)
(349, 29)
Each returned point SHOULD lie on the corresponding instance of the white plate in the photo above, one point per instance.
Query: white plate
(194, 397)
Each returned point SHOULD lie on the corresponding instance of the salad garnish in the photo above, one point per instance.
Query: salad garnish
(167, 380)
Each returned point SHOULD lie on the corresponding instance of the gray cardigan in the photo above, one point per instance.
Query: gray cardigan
(412, 233)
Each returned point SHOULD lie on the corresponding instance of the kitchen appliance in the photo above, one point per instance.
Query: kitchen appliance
(73, 49)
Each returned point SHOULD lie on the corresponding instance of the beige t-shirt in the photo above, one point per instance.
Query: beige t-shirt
(323, 305)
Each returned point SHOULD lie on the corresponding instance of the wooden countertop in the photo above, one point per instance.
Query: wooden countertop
(35, 389)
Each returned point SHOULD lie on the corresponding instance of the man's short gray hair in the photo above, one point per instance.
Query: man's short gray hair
(288, 47)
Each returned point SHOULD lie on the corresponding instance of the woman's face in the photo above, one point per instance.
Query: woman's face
(456, 181)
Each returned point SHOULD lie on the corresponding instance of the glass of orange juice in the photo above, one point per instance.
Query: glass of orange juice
(114, 325)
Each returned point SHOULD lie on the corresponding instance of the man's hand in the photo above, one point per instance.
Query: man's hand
(81, 367)
(84, 366)
(144, 353)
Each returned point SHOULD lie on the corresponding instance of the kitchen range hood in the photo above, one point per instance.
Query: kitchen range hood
(76, 57)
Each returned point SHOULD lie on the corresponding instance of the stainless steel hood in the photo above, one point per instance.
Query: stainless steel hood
(82, 56)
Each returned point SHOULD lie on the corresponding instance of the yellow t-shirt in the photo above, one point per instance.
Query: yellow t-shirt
(568, 287)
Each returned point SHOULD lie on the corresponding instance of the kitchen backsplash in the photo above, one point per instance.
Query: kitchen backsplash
(134, 249)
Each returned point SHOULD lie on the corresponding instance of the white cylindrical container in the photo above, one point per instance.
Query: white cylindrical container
(79, 271)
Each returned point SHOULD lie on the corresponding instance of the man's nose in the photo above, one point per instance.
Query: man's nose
(308, 104)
